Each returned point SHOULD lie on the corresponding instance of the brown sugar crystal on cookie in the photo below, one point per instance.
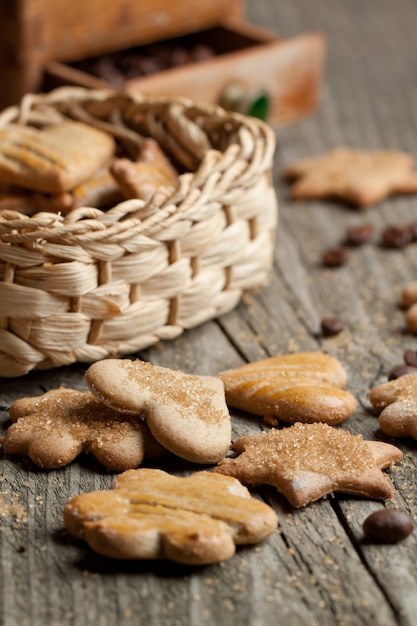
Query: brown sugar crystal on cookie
(150, 514)
(186, 413)
(308, 461)
(396, 400)
(53, 429)
(302, 387)
(359, 177)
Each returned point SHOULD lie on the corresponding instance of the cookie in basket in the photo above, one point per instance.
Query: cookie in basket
(301, 387)
(150, 514)
(186, 413)
(53, 429)
(308, 461)
(30, 202)
(107, 282)
(52, 159)
(141, 178)
(99, 190)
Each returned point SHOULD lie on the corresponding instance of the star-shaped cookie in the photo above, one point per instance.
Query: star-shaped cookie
(151, 514)
(53, 429)
(308, 461)
(186, 413)
(301, 387)
(358, 177)
(397, 402)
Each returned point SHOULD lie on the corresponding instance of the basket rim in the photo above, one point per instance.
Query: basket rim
(249, 154)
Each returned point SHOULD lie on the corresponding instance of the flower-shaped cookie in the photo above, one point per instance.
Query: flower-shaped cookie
(359, 177)
(186, 413)
(53, 429)
(150, 514)
(308, 461)
(397, 402)
(302, 387)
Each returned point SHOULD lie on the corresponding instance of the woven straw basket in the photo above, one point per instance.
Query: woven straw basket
(98, 283)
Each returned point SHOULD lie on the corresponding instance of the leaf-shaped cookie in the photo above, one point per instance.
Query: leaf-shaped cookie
(302, 387)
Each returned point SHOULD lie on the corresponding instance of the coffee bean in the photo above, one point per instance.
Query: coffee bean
(401, 370)
(331, 326)
(388, 525)
(396, 236)
(201, 52)
(180, 56)
(410, 357)
(118, 67)
(335, 257)
(413, 228)
(358, 235)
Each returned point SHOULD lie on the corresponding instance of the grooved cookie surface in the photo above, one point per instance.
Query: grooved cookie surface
(302, 387)
(153, 515)
(53, 159)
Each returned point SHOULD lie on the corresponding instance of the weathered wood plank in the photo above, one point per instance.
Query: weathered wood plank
(317, 569)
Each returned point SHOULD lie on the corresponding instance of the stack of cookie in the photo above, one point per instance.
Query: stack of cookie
(60, 167)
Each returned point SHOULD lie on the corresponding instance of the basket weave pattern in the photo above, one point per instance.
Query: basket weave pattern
(98, 283)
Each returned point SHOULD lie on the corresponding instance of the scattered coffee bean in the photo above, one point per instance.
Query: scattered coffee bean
(413, 228)
(335, 257)
(358, 235)
(410, 357)
(396, 236)
(331, 326)
(388, 525)
(401, 370)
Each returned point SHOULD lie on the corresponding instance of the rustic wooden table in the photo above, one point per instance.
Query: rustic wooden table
(316, 569)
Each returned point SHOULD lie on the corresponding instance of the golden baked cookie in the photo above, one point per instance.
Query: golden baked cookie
(53, 429)
(308, 461)
(396, 401)
(359, 177)
(186, 413)
(53, 159)
(302, 387)
(150, 514)
(141, 178)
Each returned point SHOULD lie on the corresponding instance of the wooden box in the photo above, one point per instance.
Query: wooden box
(251, 70)
(34, 32)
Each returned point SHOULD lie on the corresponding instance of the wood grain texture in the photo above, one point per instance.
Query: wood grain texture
(316, 569)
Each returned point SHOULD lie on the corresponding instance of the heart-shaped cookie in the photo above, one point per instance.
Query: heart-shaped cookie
(186, 413)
